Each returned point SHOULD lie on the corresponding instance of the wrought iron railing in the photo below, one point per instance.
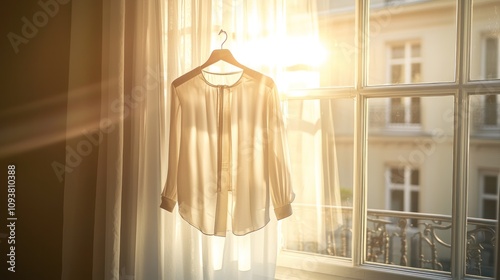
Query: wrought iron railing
(398, 238)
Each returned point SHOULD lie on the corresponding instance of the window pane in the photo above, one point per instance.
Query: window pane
(422, 197)
(414, 177)
(336, 32)
(491, 59)
(484, 174)
(415, 110)
(397, 175)
(415, 50)
(397, 200)
(320, 139)
(484, 40)
(398, 52)
(491, 110)
(490, 209)
(414, 202)
(427, 29)
(415, 73)
(397, 110)
(485, 115)
(490, 184)
(397, 74)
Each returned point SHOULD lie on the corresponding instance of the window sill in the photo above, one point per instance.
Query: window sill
(295, 265)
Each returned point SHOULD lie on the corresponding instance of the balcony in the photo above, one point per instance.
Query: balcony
(415, 240)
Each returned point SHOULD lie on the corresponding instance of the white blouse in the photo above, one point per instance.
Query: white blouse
(228, 154)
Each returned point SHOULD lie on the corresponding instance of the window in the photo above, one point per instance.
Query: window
(404, 110)
(403, 188)
(491, 62)
(489, 184)
(491, 110)
(403, 211)
(404, 68)
(404, 63)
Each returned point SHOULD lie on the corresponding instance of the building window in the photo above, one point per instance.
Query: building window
(404, 68)
(491, 110)
(404, 111)
(491, 62)
(403, 188)
(405, 63)
(489, 184)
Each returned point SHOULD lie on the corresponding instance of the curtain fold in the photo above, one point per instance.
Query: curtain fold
(125, 214)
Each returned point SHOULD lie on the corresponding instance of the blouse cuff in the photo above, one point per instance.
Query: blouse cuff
(283, 211)
(167, 203)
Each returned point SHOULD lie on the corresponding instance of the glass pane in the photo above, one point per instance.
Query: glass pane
(415, 50)
(423, 198)
(426, 29)
(484, 40)
(320, 139)
(484, 171)
(397, 74)
(397, 110)
(415, 73)
(415, 110)
(490, 184)
(414, 201)
(491, 59)
(491, 110)
(397, 200)
(397, 175)
(414, 177)
(490, 209)
(398, 52)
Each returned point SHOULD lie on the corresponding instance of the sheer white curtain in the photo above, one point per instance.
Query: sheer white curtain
(268, 36)
(192, 33)
(145, 46)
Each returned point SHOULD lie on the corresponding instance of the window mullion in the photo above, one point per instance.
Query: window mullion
(360, 136)
(460, 147)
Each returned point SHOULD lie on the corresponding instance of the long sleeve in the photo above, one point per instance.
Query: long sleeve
(278, 160)
(169, 193)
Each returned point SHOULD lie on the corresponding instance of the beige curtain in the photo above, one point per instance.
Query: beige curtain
(111, 215)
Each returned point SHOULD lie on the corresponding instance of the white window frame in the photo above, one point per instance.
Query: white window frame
(296, 265)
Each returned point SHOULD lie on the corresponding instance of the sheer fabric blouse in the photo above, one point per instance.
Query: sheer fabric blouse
(228, 154)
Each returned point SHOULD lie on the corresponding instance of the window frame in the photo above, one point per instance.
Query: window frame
(303, 265)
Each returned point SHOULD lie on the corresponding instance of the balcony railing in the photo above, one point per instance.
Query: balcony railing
(398, 238)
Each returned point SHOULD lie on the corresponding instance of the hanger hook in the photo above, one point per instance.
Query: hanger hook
(225, 33)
